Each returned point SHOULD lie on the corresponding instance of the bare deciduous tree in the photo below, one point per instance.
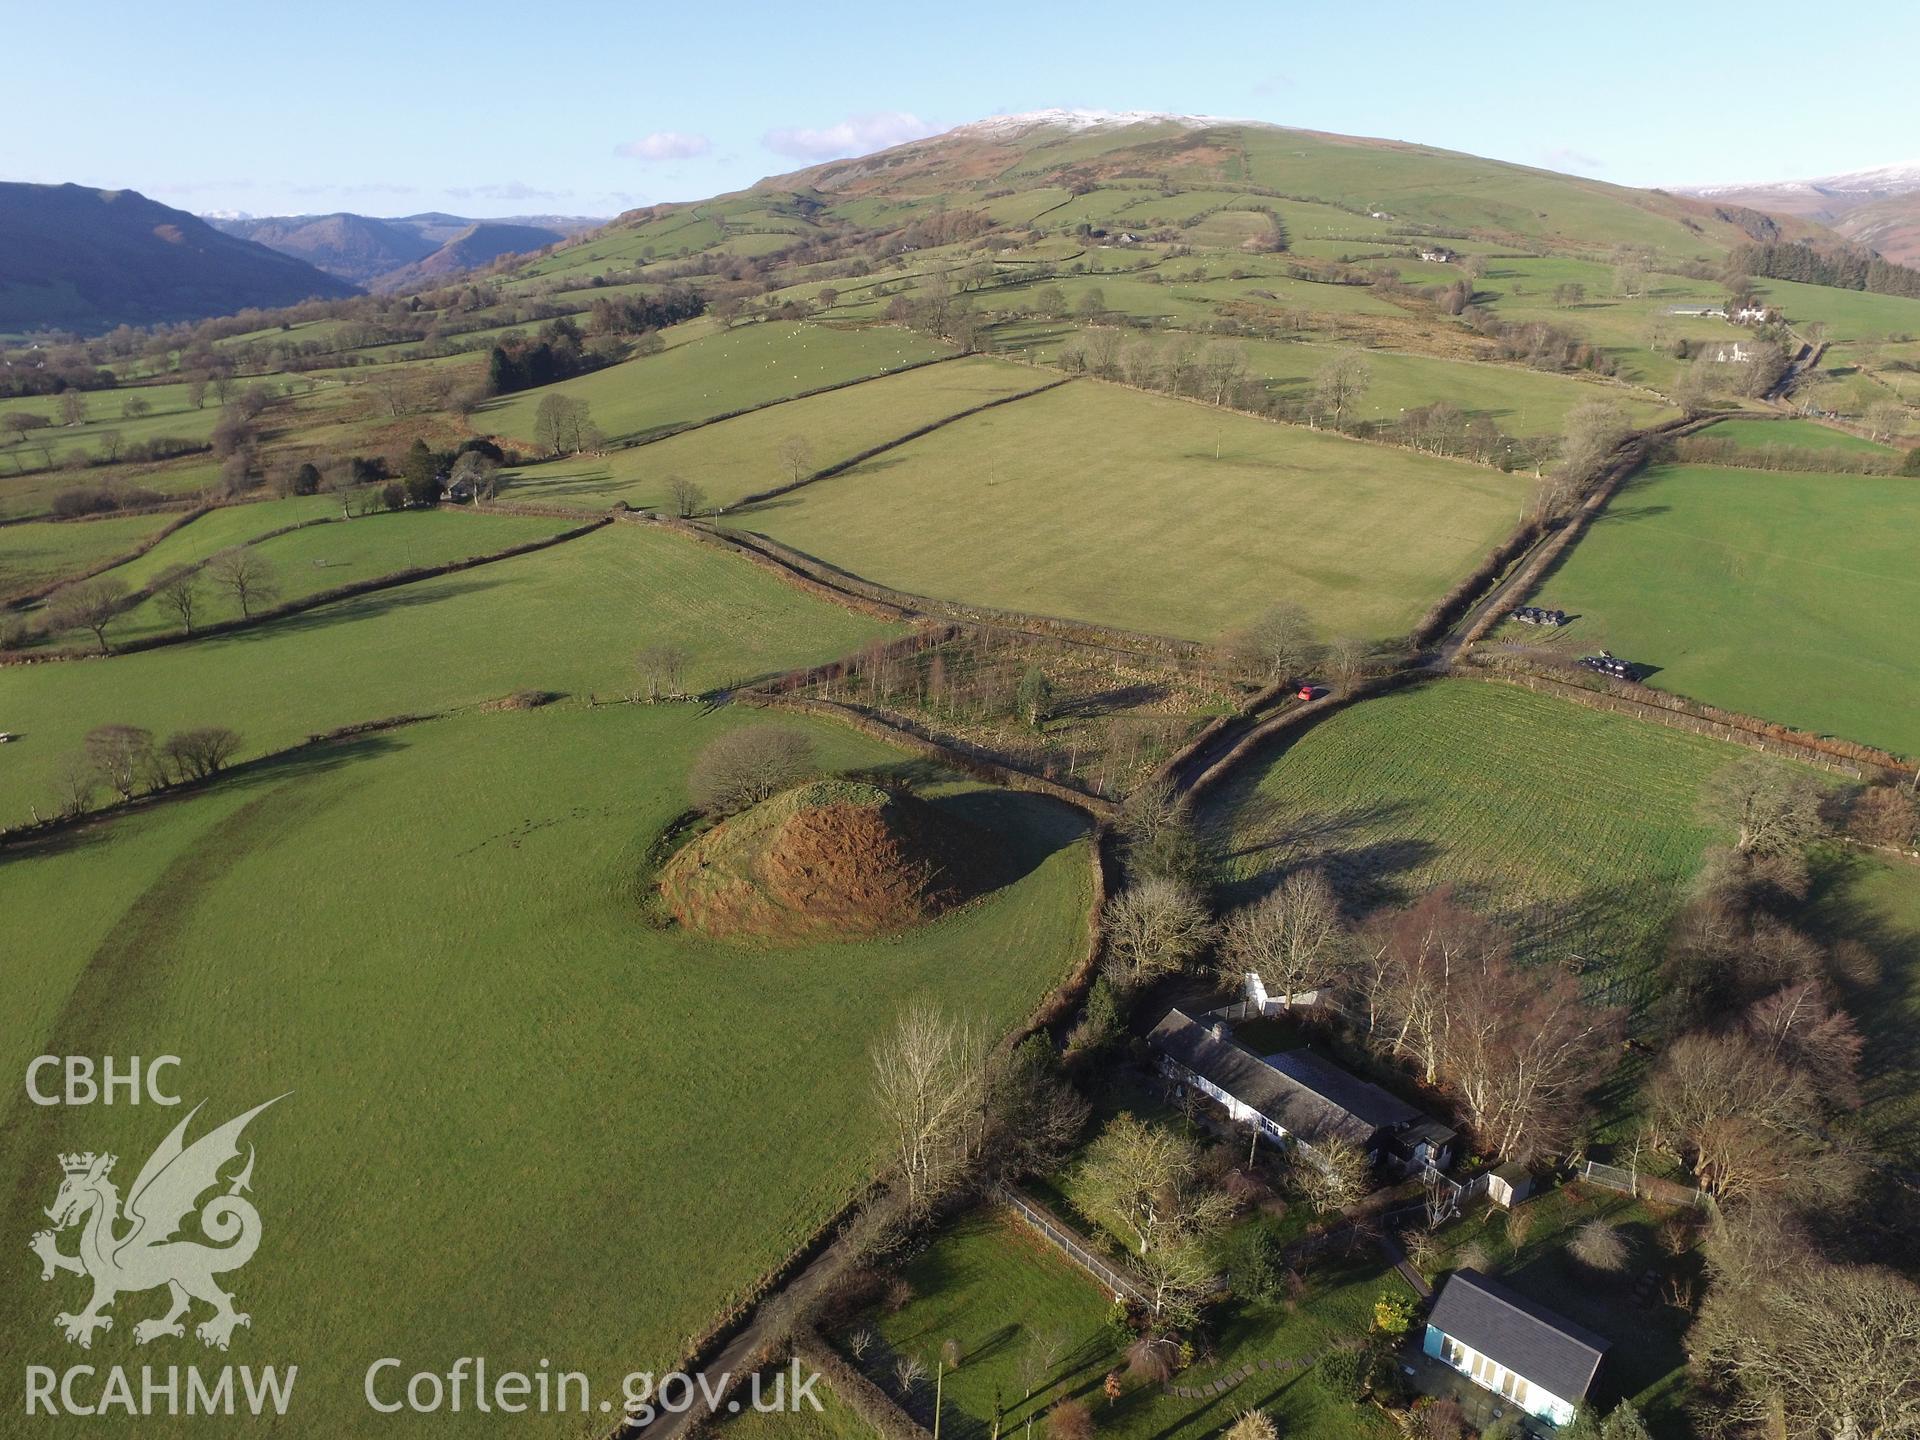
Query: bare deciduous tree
(88, 605)
(744, 767)
(1333, 1175)
(200, 753)
(1292, 939)
(661, 667)
(1771, 810)
(1341, 384)
(687, 497)
(1794, 1345)
(929, 1077)
(246, 575)
(796, 458)
(1153, 928)
(1283, 642)
(122, 756)
(178, 593)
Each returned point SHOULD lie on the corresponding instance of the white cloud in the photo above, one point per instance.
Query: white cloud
(509, 190)
(856, 135)
(664, 145)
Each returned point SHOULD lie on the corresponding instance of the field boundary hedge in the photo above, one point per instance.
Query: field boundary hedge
(840, 467)
(392, 580)
(1629, 459)
(40, 829)
(1844, 757)
(861, 1395)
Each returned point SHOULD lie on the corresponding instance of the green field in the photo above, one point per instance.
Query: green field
(742, 456)
(1787, 596)
(1573, 826)
(1518, 400)
(1847, 314)
(523, 1122)
(743, 367)
(37, 552)
(335, 553)
(991, 1285)
(569, 618)
(1099, 503)
(219, 529)
(1791, 435)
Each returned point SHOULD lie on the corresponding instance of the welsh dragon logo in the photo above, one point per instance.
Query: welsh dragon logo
(139, 1250)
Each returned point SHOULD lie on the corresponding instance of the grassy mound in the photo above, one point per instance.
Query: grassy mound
(833, 857)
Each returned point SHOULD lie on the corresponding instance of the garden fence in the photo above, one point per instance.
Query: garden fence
(1075, 1249)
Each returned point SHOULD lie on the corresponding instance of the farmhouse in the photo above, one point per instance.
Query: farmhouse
(1300, 1096)
(1438, 255)
(1513, 1347)
(1753, 313)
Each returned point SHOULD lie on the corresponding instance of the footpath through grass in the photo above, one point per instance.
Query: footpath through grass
(1787, 596)
(525, 1122)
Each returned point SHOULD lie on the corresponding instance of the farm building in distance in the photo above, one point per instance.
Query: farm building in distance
(1300, 1096)
(1438, 255)
(1505, 1343)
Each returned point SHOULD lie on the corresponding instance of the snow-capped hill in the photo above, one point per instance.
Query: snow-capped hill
(1078, 120)
(1853, 185)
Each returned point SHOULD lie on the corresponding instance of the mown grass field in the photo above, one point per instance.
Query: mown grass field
(570, 618)
(39, 552)
(335, 553)
(742, 456)
(993, 1286)
(1099, 503)
(523, 1122)
(745, 366)
(1575, 827)
(1788, 596)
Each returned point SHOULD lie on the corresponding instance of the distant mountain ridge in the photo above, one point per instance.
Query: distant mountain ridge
(373, 251)
(1878, 208)
(76, 258)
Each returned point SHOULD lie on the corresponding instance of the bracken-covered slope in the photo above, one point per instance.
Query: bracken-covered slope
(80, 259)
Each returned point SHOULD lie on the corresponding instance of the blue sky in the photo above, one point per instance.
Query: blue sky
(493, 108)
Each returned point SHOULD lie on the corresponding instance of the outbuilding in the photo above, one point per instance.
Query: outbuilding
(1505, 1343)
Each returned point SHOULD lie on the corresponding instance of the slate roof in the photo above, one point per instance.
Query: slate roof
(1555, 1354)
(1299, 1091)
